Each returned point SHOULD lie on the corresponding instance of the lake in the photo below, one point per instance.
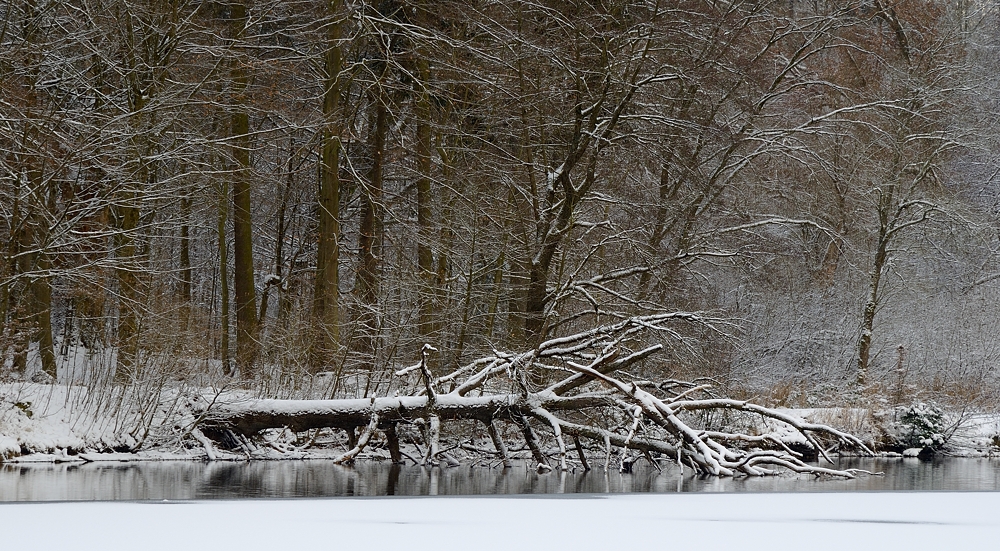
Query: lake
(181, 480)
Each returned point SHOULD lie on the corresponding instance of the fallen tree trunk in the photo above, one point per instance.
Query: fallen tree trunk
(252, 416)
(661, 424)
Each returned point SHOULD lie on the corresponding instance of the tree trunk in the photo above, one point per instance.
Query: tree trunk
(886, 205)
(20, 239)
(8, 281)
(871, 306)
(554, 230)
(370, 237)
(498, 443)
(127, 273)
(243, 269)
(425, 224)
(4, 307)
(326, 295)
(227, 367)
(665, 192)
(185, 263)
(392, 442)
(279, 245)
(41, 293)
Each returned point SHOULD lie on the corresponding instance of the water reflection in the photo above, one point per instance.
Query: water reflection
(276, 479)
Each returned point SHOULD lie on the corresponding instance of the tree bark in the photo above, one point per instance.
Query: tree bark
(280, 228)
(580, 453)
(326, 292)
(126, 270)
(498, 443)
(223, 243)
(425, 224)
(34, 260)
(243, 268)
(370, 231)
(392, 442)
(41, 292)
(185, 263)
(38, 321)
(871, 305)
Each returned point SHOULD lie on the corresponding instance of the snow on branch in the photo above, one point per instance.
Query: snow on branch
(655, 421)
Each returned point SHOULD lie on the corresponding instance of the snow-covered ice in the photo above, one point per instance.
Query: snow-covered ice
(816, 521)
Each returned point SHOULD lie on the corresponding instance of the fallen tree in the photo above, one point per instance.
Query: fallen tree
(592, 385)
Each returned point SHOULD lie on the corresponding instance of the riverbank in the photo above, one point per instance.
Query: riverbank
(58, 423)
(749, 522)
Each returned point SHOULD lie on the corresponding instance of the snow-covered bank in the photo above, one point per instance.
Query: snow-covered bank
(748, 522)
(67, 423)
(56, 420)
(890, 431)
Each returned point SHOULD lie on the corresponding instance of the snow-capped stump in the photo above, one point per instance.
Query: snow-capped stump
(667, 418)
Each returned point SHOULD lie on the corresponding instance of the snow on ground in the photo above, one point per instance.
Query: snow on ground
(46, 418)
(747, 522)
(977, 434)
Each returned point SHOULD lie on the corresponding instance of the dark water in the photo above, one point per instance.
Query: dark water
(278, 479)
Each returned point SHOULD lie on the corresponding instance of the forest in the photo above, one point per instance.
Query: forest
(793, 202)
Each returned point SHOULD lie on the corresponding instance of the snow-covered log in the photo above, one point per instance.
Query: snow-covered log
(251, 416)
(658, 421)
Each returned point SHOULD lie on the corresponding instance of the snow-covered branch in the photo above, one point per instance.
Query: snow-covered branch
(657, 421)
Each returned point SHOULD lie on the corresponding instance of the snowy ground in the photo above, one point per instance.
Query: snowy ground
(817, 521)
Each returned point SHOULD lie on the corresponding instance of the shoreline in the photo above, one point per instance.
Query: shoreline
(154, 456)
(52, 423)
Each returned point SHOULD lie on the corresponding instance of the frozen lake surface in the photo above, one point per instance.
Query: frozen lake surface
(192, 505)
(181, 480)
(743, 521)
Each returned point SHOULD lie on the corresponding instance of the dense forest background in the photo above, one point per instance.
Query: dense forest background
(297, 195)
